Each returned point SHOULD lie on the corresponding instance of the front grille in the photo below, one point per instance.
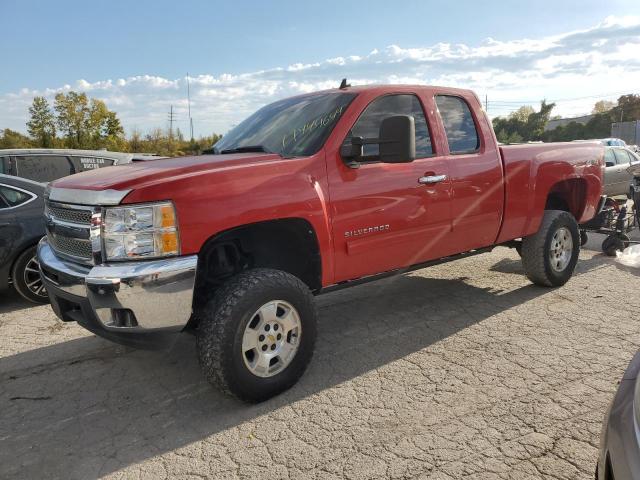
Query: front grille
(81, 217)
(68, 231)
(73, 247)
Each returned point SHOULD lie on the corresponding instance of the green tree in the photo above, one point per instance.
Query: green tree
(522, 113)
(602, 106)
(41, 125)
(88, 123)
(12, 139)
(72, 116)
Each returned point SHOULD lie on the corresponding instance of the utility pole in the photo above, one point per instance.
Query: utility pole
(172, 118)
(189, 105)
(486, 102)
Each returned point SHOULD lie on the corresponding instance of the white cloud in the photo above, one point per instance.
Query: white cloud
(572, 67)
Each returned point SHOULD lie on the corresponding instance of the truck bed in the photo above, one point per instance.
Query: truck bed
(531, 172)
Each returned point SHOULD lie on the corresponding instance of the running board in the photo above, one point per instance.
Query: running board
(400, 271)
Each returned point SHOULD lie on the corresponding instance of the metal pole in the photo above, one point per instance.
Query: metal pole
(189, 106)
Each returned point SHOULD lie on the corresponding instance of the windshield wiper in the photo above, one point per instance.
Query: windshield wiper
(247, 148)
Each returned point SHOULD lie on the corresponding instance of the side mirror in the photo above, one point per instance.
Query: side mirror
(397, 139)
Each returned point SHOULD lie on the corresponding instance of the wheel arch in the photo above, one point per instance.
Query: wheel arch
(288, 244)
(569, 195)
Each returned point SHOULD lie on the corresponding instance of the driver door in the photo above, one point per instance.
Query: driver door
(383, 217)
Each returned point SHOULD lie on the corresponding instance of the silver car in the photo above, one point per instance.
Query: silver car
(619, 457)
(617, 181)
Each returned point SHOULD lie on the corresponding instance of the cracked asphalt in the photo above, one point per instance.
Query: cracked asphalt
(464, 370)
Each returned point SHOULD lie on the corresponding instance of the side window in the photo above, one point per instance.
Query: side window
(4, 165)
(622, 157)
(12, 197)
(458, 124)
(82, 164)
(609, 158)
(43, 168)
(368, 125)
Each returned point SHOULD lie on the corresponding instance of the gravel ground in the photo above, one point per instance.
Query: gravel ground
(464, 370)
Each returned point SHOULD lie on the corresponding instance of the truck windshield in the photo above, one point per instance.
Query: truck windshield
(291, 127)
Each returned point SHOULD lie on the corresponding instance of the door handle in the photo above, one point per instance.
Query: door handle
(431, 179)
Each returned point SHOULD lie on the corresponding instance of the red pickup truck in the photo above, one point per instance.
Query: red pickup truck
(309, 194)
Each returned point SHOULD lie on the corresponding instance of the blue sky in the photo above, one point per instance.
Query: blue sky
(135, 54)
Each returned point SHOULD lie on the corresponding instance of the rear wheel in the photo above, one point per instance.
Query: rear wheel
(550, 255)
(257, 334)
(26, 277)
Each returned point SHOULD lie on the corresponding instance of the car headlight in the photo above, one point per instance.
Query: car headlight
(142, 231)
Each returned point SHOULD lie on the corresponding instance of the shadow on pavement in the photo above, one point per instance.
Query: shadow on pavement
(86, 408)
(11, 301)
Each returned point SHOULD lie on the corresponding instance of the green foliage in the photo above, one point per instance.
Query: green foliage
(12, 139)
(599, 126)
(87, 123)
(41, 125)
(523, 125)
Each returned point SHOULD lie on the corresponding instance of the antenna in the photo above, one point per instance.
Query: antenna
(344, 84)
(189, 105)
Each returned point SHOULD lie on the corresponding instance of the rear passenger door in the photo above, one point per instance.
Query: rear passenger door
(474, 163)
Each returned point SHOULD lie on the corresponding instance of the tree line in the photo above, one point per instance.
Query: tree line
(528, 125)
(77, 121)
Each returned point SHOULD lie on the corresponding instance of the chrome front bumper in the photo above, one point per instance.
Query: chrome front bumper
(122, 297)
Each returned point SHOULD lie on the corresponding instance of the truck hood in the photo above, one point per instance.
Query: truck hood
(141, 174)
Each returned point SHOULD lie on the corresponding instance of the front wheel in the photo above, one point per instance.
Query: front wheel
(26, 277)
(257, 334)
(550, 255)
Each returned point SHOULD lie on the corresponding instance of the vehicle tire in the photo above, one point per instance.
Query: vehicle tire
(550, 255)
(584, 238)
(614, 243)
(25, 275)
(257, 334)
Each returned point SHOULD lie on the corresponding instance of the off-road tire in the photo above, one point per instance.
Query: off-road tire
(536, 248)
(18, 277)
(222, 323)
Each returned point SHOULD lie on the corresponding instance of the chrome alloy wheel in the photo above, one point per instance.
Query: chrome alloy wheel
(271, 338)
(561, 249)
(32, 280)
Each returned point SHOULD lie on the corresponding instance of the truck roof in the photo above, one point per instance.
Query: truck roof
(382, 88)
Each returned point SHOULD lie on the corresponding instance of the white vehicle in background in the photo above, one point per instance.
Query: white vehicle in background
(48, 164)
(614, 142)
(617, 180)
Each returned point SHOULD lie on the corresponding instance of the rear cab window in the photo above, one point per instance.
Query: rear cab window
(368, 124)
(42, 168)
(459, 125)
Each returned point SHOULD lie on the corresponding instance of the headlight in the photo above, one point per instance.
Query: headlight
(144, 231)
